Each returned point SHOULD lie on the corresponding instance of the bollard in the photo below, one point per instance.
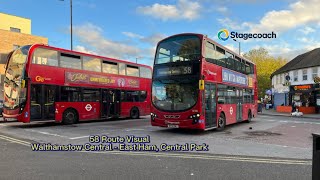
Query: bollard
(316, 157)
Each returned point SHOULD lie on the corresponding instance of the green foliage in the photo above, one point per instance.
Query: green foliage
(265, 65)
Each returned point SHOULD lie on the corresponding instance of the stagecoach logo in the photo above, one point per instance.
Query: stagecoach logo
(42, 79)
(88, 107)
(224, 35)
(172, 116)
(210, 72)
(231, 110)
(121, 82)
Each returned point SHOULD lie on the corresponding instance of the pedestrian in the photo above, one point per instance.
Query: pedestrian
(293, 106)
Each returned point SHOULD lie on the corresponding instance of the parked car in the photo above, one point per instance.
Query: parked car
(1, 107)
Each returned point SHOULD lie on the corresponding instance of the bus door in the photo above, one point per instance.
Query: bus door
(210, 105)
(42, 102)
(110, 103)
(239, 102)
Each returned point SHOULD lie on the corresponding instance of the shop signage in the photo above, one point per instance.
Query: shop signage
(302, 87)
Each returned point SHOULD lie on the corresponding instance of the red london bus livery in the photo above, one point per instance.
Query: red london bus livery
(199, 84)
(48, 83)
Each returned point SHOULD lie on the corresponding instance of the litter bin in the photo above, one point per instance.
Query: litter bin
(316, 157)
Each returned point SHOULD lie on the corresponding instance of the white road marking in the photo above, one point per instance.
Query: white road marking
(135, 130)
(3, 125)
(46, 133)
(80, 137)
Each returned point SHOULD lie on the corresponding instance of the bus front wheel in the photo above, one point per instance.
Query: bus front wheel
(221, 122)
(70, 116)
(134, 113)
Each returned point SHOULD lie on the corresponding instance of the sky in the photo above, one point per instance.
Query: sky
(130, 29)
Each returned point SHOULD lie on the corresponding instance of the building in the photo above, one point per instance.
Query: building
(14, 32)
(298, 81)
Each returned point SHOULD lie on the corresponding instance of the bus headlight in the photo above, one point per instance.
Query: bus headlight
(195, 118)
(153, 116)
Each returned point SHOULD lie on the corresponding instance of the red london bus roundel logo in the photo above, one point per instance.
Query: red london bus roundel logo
(88, 107)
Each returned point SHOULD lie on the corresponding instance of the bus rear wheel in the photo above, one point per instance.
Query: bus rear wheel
(70, 116)
(221, 122)
(134, 113)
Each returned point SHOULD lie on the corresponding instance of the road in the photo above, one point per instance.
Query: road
(268, 148)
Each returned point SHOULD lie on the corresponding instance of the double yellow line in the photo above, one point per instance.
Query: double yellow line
(187, 155)
(10, 139)
(214, 157)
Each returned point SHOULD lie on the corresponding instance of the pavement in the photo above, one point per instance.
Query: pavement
(273, 112)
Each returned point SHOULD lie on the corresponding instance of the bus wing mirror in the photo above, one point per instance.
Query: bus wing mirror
(201, 84)
(23, 83)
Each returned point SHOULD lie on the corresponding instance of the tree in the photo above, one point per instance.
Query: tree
(265, 65)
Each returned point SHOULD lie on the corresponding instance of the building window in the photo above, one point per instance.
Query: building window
(15, 29)
(295, 76)
(314, 72)
(278, 79)
(304, 74)
(16, 47)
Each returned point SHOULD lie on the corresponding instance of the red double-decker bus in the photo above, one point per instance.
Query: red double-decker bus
(48, 83)
(199, 84)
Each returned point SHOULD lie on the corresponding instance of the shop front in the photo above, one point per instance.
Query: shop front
(306, 98)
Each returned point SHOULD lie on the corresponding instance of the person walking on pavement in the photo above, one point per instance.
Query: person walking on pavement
(293, 106)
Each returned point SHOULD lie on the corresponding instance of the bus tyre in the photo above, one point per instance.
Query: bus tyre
(134, 113)
(221, 122)
(249, 117)
(70, 116)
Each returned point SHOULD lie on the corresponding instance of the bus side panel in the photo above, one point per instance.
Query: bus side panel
(229, 111)
(86, 110)
(245, 111)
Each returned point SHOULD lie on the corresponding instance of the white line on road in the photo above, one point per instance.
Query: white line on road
(46, 133)
(3, 125)
(135, 130)
(80, 137)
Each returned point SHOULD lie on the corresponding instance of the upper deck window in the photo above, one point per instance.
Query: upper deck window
(70, 61)
(45, 57)
(178, 48)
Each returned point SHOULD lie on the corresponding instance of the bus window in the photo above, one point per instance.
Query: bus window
(143, 96)
(220, 57)
(91, 95)
(210, 53)
(70, 61)
(110, 67)
(221, 94)
(122, 69)
(145, 72)
(229, 61)
(132, 70)
(91, 64)
(132, 96)
(45, 57)
(70, 94)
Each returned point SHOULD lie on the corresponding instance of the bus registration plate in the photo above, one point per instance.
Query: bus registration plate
(173, 126)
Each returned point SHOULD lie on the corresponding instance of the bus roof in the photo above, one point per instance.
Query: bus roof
(33, 46)
(202, 36)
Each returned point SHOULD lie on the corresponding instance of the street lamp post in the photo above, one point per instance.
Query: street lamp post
(239, 46)
(70, 24)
